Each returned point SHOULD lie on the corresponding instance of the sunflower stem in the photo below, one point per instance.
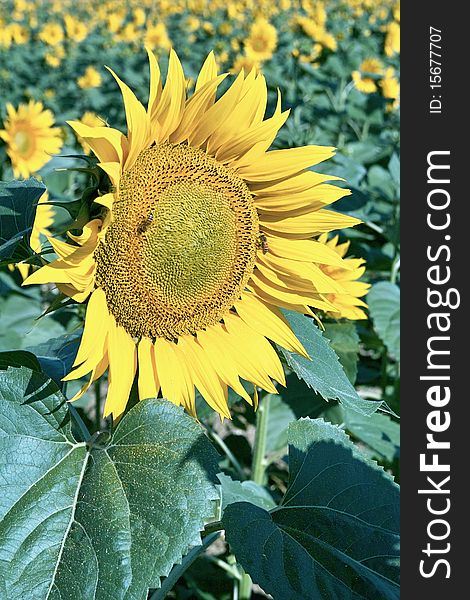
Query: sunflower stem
(79, 421)
(97, 403)
(220, 442)
(244, 587)
(177, 571)
(258, 467)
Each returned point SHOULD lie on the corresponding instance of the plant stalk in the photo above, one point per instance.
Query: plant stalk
(258, 470)
(258, 466)
(97, 403)
(169, 582)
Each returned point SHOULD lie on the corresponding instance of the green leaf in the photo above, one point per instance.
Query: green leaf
(99, 522)
(249, 491)
(296, 400)
(20, 327)
(323, 372)
(335, 533)
(17, 212)
(378, 431)
(345, 342)
(57, 355)
(19, 358)
(384, 307)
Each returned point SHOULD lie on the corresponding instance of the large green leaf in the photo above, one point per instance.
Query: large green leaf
(98, 522)
(239, 491)
(17, 211)
(323, 372)
(56, 356)
(335, 533)
(345, 342)
(19, 324)
(296, 400)
(384, 307)
(380, 432)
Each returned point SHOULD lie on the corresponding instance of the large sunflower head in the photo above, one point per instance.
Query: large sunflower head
(30, 137)
(204, 236)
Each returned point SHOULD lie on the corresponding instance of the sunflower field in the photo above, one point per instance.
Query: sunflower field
(199, 299)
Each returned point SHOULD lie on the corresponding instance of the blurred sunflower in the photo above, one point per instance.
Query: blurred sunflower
(51, 34)
(156, 36)
(362, 78)
(390, 88)
(76, 30)
(203, 237)
(30, 137)
(262, 40)
(247, 63)
(392, 39)
(90, 79)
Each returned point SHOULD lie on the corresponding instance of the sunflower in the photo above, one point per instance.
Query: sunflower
(51, 34)
(76, 30)
(31, 140)
(262, 40)
(156, 36)
(90, 79)
(348, 301)
(204, 236)
(365, 83)
(392, 39)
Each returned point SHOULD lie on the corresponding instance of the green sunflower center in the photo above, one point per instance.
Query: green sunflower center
(182, 244)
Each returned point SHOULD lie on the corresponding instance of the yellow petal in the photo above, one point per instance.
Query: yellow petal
(148, 379)
(281, 294)
(170, 109)
(105, 200)
(211, 340)
(195, 107)
(282, 163)
(155, 83)
(299, 202)
(96, 326)
(305, 251)
(138, 125)
(260, 136)
(207, 72)
(207, 381)
(96, 373)
(308, 225)
(268, 321)
(240, 118)
(253, 354)
(113, 170)
(106, 142)
(217, 114)
(122, 368)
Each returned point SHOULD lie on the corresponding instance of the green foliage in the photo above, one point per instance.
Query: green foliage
(380, 432)
(99, 519)
(345, 342)
(17, 211)
(384, 306)
(249, 491)
(323, 373)
(330, 537)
